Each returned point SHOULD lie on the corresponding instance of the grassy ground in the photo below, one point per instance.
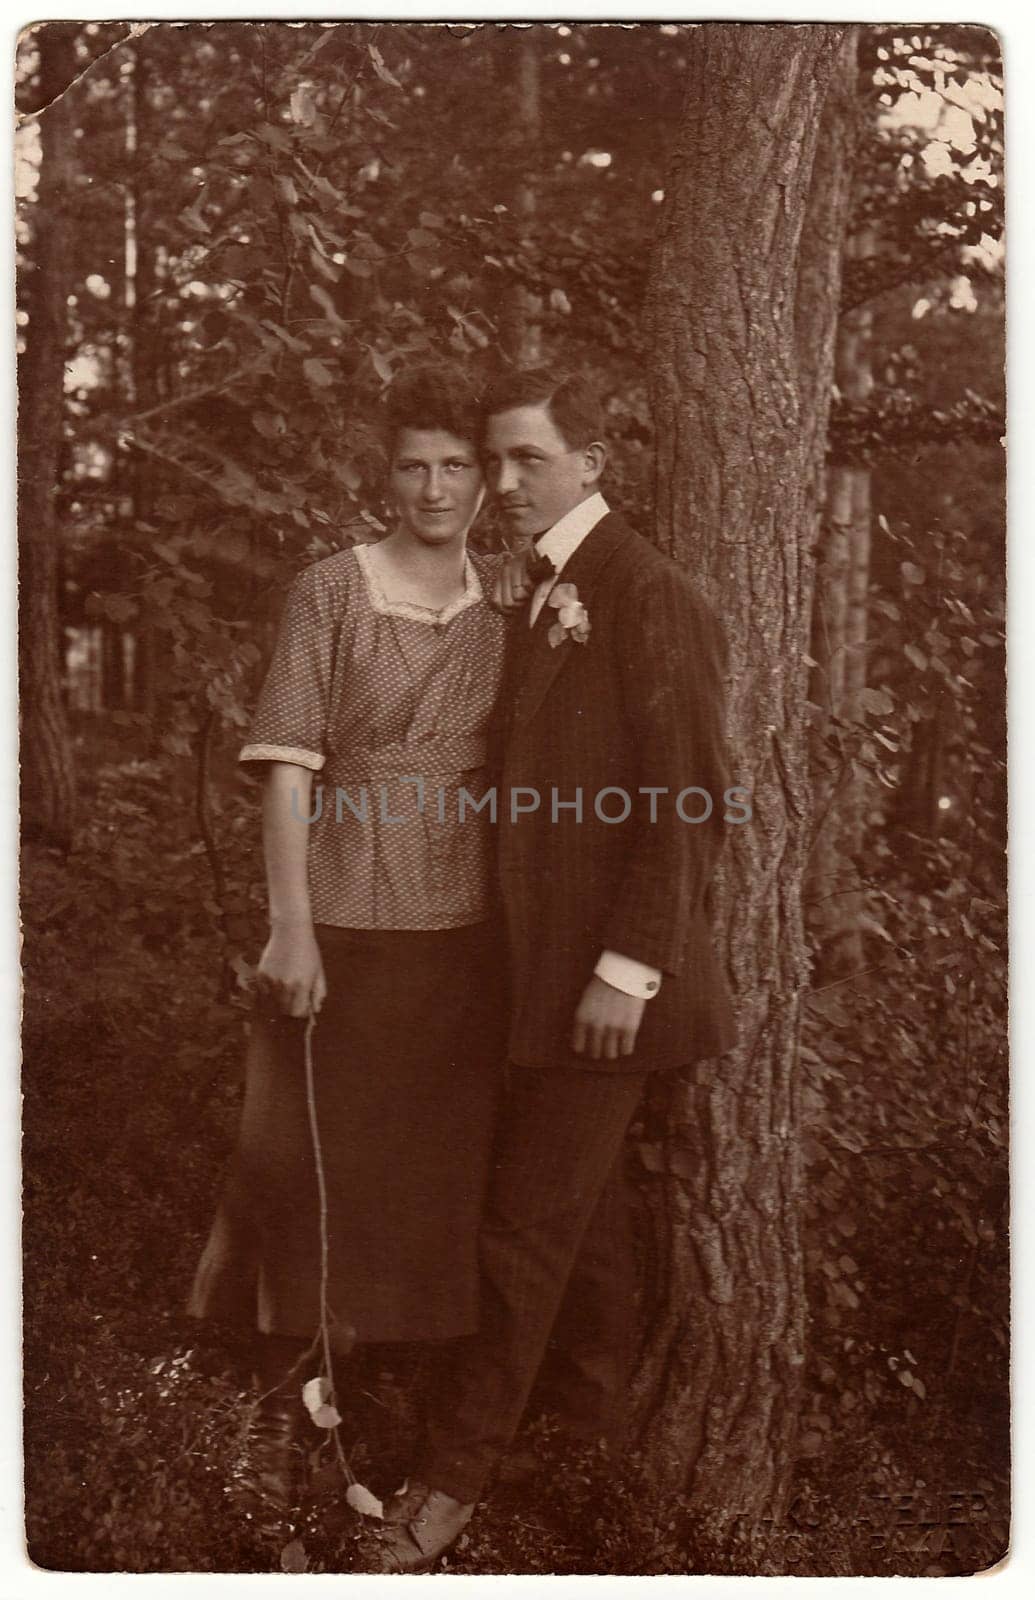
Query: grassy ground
(134, 1416)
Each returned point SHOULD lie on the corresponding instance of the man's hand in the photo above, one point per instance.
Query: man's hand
(513, 585)
(606, 1022)
(290, 972)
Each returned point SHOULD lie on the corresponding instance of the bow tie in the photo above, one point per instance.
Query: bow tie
(539, 566)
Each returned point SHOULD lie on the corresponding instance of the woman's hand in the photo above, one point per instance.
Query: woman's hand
(290, 971)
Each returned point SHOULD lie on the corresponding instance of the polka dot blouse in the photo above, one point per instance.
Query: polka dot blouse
(390, 704)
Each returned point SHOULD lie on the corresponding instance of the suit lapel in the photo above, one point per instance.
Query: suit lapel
(542, 661)
(515, 662)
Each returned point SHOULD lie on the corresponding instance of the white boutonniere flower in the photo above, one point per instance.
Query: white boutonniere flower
(572, 616)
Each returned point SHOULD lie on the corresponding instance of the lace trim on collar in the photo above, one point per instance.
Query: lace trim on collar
(414, 613)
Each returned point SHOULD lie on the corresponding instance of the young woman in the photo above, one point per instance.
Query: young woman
(373, 718)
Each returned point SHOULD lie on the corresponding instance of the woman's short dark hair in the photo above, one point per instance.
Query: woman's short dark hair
(434, 396)
(572, 401)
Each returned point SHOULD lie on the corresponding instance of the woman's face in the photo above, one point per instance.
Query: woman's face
(435, 484)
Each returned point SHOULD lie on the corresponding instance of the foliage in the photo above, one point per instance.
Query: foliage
(927, 217)
(906, 1076)
(291, 236)
(906, 1143)
(294, 239)
(297, 239)
(928, 171)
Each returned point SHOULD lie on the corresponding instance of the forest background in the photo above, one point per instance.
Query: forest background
(143, 851)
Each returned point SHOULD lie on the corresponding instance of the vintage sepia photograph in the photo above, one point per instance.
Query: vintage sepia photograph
(511, 653)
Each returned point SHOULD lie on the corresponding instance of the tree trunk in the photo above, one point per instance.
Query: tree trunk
(742, 303)
(47, 776)
(840, 627)
(915, 809)
(521, 333)
(150, 663)
(113, 668)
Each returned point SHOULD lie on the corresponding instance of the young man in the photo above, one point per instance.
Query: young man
(610, 818)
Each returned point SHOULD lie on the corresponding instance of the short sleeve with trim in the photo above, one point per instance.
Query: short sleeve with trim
(290, 722)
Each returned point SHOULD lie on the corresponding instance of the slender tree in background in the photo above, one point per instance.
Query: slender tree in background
(840, 619)
(47, 776)
(743, 303)
(521, 334)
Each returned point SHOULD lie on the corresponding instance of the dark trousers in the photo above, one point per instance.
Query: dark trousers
(559, 1138)
(585, 1373)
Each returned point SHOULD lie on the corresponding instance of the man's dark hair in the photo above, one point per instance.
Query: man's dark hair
(433, 396)
(572, 400)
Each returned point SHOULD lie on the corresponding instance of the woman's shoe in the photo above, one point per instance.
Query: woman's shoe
(269, 1478)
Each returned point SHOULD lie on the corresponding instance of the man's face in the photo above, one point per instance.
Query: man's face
(531, 470)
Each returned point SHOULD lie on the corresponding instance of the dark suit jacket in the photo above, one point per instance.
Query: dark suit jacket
(639, 704)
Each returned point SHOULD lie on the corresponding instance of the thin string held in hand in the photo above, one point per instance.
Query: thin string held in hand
(321, 1184)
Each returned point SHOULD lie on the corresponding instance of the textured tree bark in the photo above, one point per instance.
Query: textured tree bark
(47, 775)
(840, 626)
(742, 304)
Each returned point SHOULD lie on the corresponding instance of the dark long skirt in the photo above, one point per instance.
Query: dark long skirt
(407, 1052)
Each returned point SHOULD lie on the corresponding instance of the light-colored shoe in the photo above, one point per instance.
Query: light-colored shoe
(420, 1525)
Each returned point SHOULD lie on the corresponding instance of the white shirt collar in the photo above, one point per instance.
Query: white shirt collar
(562, 540)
